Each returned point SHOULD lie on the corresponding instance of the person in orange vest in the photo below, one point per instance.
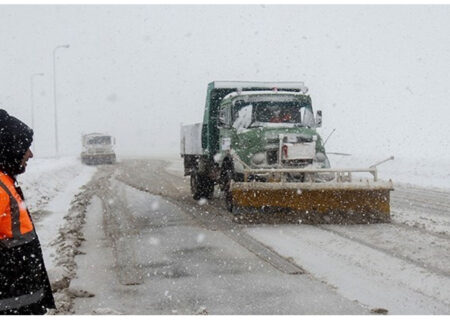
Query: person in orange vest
(24, 285)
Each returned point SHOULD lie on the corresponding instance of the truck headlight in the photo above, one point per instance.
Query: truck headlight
(320, 157)
(259, 158)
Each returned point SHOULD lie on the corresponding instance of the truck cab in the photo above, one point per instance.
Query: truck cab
(269, 129)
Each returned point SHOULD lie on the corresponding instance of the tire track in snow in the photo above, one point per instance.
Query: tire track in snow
(395, 254)
(360, 272)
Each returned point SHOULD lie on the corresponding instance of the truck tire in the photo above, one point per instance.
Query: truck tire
(195, 189)
(209, 188)
(226, 175)
(201, 186)
(227, 192)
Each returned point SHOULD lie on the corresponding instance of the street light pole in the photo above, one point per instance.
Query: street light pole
(32, 97)
(54, 94)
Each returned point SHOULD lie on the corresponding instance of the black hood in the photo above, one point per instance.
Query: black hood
(15, 139)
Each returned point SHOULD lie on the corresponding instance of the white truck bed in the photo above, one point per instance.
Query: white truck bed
(191, 139)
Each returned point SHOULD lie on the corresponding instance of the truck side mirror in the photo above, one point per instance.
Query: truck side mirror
(319, 118)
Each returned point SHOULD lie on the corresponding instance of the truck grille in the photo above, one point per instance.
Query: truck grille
(301, 163)
(272, 157)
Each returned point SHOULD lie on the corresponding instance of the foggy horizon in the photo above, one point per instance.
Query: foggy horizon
(378, 73)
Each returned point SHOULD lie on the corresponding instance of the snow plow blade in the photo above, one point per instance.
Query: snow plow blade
(337, 201)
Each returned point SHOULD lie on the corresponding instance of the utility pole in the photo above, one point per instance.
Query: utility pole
(54, 95)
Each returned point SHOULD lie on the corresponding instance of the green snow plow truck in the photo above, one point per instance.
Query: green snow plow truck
(259, 142)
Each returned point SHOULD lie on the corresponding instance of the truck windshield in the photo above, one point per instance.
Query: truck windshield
(277, 112)
(99, 140)
(284, 111)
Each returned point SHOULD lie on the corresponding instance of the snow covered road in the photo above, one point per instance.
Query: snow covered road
(400, 267)
(151, 249)
(169, 264)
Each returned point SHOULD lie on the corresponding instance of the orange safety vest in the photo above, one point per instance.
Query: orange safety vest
(16, 227)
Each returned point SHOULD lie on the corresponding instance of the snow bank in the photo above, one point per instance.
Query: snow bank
(45, 178)
(49, 185)
(53, 190)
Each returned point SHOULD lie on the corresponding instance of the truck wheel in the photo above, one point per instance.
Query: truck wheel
(229, 201)
(208, 185)
(195, 186)
(226, 175)
(227, 191)
(201, 186)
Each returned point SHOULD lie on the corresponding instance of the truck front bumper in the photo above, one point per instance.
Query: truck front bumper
(98, 158)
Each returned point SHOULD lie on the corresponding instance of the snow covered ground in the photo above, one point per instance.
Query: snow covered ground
(389, 264)
(49, 186)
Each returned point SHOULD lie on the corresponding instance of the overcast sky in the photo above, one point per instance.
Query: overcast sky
(380, 74)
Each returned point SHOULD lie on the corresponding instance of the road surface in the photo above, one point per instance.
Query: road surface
(151, 249)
